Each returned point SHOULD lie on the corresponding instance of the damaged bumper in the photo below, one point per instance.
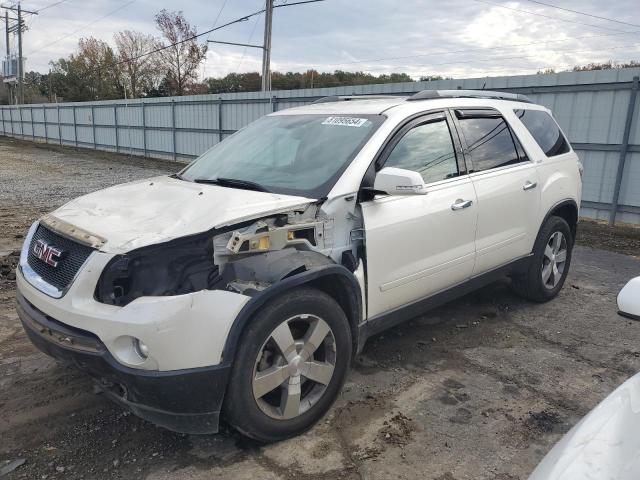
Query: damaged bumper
(187, 401)
(181, 382)
(181, 331)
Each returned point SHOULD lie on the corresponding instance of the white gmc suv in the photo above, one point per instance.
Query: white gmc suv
(242, 287)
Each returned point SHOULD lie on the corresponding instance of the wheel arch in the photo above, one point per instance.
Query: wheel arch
(566, 209)
(333, 279)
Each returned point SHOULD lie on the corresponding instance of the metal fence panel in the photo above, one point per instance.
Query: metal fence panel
(599, 175)
(85, 135)
(630, 188)
(634, 138)
(591, 107)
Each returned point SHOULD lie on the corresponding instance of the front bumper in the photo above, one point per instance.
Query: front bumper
(187, 401)
(181, 331)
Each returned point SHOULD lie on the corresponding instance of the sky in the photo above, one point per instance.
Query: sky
(456, 38)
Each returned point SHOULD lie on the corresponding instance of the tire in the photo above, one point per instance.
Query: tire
(547, 252)
(266, 356)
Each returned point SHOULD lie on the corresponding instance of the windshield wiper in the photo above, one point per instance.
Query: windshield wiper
(232, 182)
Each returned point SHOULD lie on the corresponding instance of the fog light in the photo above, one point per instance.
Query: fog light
(141, 349)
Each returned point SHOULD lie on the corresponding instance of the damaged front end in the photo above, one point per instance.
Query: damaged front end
(271, 249)
(245, 259)
(173, 268)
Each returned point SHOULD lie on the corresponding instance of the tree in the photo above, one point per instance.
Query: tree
(140, 73)
(608, 65)
(235, 82)
(92, 73)
(35, 90)
(430, 78)
(251, 82)
(182, 55)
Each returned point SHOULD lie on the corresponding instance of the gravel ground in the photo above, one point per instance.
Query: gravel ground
(622, 239)
(478, 389)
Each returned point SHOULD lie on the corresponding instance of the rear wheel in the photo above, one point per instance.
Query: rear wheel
(549, 264)
(289, 366)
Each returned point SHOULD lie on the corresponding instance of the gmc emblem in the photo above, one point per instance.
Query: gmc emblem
(47, 253)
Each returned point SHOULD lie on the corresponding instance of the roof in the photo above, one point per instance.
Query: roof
(362, 106)
(376, 104)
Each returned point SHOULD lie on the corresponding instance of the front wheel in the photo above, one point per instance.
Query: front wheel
(289, 367)
(549, 264)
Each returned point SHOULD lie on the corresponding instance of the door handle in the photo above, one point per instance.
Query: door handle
(529, 185)
(460, 204)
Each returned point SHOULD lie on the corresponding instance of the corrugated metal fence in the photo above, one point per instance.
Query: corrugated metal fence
(597, 110)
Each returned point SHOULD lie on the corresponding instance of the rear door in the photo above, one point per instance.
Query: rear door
(420, 244)
(506, 185)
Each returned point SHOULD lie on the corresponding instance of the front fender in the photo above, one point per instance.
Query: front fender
(311, 276)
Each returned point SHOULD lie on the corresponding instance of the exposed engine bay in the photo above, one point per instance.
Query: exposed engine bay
(245, 258)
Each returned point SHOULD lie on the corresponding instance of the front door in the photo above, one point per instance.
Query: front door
(420, 244)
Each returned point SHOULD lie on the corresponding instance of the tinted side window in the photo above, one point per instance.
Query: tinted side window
(489, 142)
(428, 150)
(545, 131)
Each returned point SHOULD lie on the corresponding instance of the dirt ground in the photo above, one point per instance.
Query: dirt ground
(479, 389)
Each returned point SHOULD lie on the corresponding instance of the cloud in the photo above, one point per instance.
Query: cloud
(457, 38)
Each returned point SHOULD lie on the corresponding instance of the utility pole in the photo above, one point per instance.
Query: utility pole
(266, 50)
(266, 46)
(20, 72)
(6, 24)
(18, 29)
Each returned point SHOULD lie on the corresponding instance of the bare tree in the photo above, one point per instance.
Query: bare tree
(181, 59)
(139, 72)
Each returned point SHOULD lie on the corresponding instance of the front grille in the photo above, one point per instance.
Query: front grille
(73, 257)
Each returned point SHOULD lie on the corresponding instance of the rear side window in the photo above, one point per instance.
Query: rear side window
(489, 142)
(544, 129)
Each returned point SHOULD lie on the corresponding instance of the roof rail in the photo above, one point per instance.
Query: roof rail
(348, 98)
(435, 94)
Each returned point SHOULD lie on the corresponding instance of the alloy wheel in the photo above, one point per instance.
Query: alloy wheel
(294, 366)
(554, 260)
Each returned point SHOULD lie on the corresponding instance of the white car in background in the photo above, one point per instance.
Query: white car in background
(629, 299)
(243, 286)
(605, 444)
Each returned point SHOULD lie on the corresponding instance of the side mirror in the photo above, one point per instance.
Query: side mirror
(398, 181)
(629, 299)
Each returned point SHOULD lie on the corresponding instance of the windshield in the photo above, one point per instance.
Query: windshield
(289, 154)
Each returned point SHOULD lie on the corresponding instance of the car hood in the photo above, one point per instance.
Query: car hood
(603, 445)
(159, 209)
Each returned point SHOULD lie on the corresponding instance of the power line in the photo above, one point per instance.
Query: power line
(193, 37)
(52, 5)
(548, 16)
(165, 47)
(215, 22)
(244, 51)
(83, 27)
(285, 4)
(585, 14)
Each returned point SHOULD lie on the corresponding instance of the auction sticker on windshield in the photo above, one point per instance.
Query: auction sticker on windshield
(345, 121)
